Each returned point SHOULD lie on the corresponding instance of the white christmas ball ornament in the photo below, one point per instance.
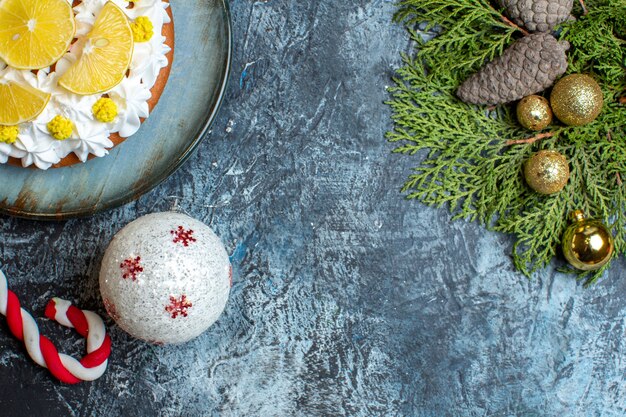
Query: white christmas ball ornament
(165, 278)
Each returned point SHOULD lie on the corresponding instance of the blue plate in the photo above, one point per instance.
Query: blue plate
(183, 115)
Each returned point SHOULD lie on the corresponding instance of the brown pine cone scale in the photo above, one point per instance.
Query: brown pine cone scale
(538, 15)
(529, 66)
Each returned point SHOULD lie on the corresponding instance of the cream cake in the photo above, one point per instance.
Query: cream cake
(100, 69)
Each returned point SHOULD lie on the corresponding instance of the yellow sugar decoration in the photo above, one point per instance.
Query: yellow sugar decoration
(105, 110)
(8, 134)
(60, 127)
(143, 29)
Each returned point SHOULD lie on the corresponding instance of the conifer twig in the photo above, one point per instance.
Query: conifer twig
(513, 25)
(618, 177)
(582, 4)
(463, 158)
(530, 140)
(510, 23)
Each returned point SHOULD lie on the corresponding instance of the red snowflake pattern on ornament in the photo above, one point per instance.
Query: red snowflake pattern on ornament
(183, 236)
(178, 306)
(110, 308)
(131, 268)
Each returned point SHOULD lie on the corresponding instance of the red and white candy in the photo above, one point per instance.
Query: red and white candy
(65, 368)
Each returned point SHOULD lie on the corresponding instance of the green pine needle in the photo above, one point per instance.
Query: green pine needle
(461, 151)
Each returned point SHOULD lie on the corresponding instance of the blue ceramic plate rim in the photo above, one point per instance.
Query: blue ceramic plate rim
(165, 174)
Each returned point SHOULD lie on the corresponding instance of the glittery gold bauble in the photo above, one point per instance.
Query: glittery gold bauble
(587, 244)
(534, 113)
(576, 99)
(547, 172)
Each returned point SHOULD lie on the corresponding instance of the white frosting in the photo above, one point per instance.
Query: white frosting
(35, 146)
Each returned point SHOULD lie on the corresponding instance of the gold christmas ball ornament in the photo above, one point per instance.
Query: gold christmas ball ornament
(546, 172)
(534, 113)
(587, 243)
(576, 99)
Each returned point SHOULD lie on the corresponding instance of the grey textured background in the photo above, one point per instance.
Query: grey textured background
(347, 300)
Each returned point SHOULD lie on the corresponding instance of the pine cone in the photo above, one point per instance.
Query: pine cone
(528, 66)
(538, 15)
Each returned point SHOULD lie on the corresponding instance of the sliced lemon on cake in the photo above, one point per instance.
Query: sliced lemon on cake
(20, 103)
(106, 54)
(35, 34)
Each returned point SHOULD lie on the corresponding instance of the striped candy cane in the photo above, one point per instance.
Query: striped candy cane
(42, 350)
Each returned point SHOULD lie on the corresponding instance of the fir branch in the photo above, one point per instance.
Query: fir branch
(597, 44)
(472, 26)
(533, 139)
(470, 159)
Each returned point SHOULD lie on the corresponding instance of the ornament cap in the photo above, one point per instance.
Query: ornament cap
(577, 216)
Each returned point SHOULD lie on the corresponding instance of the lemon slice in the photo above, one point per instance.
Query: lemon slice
(35, 34)
(20, 103)
(106, 54)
